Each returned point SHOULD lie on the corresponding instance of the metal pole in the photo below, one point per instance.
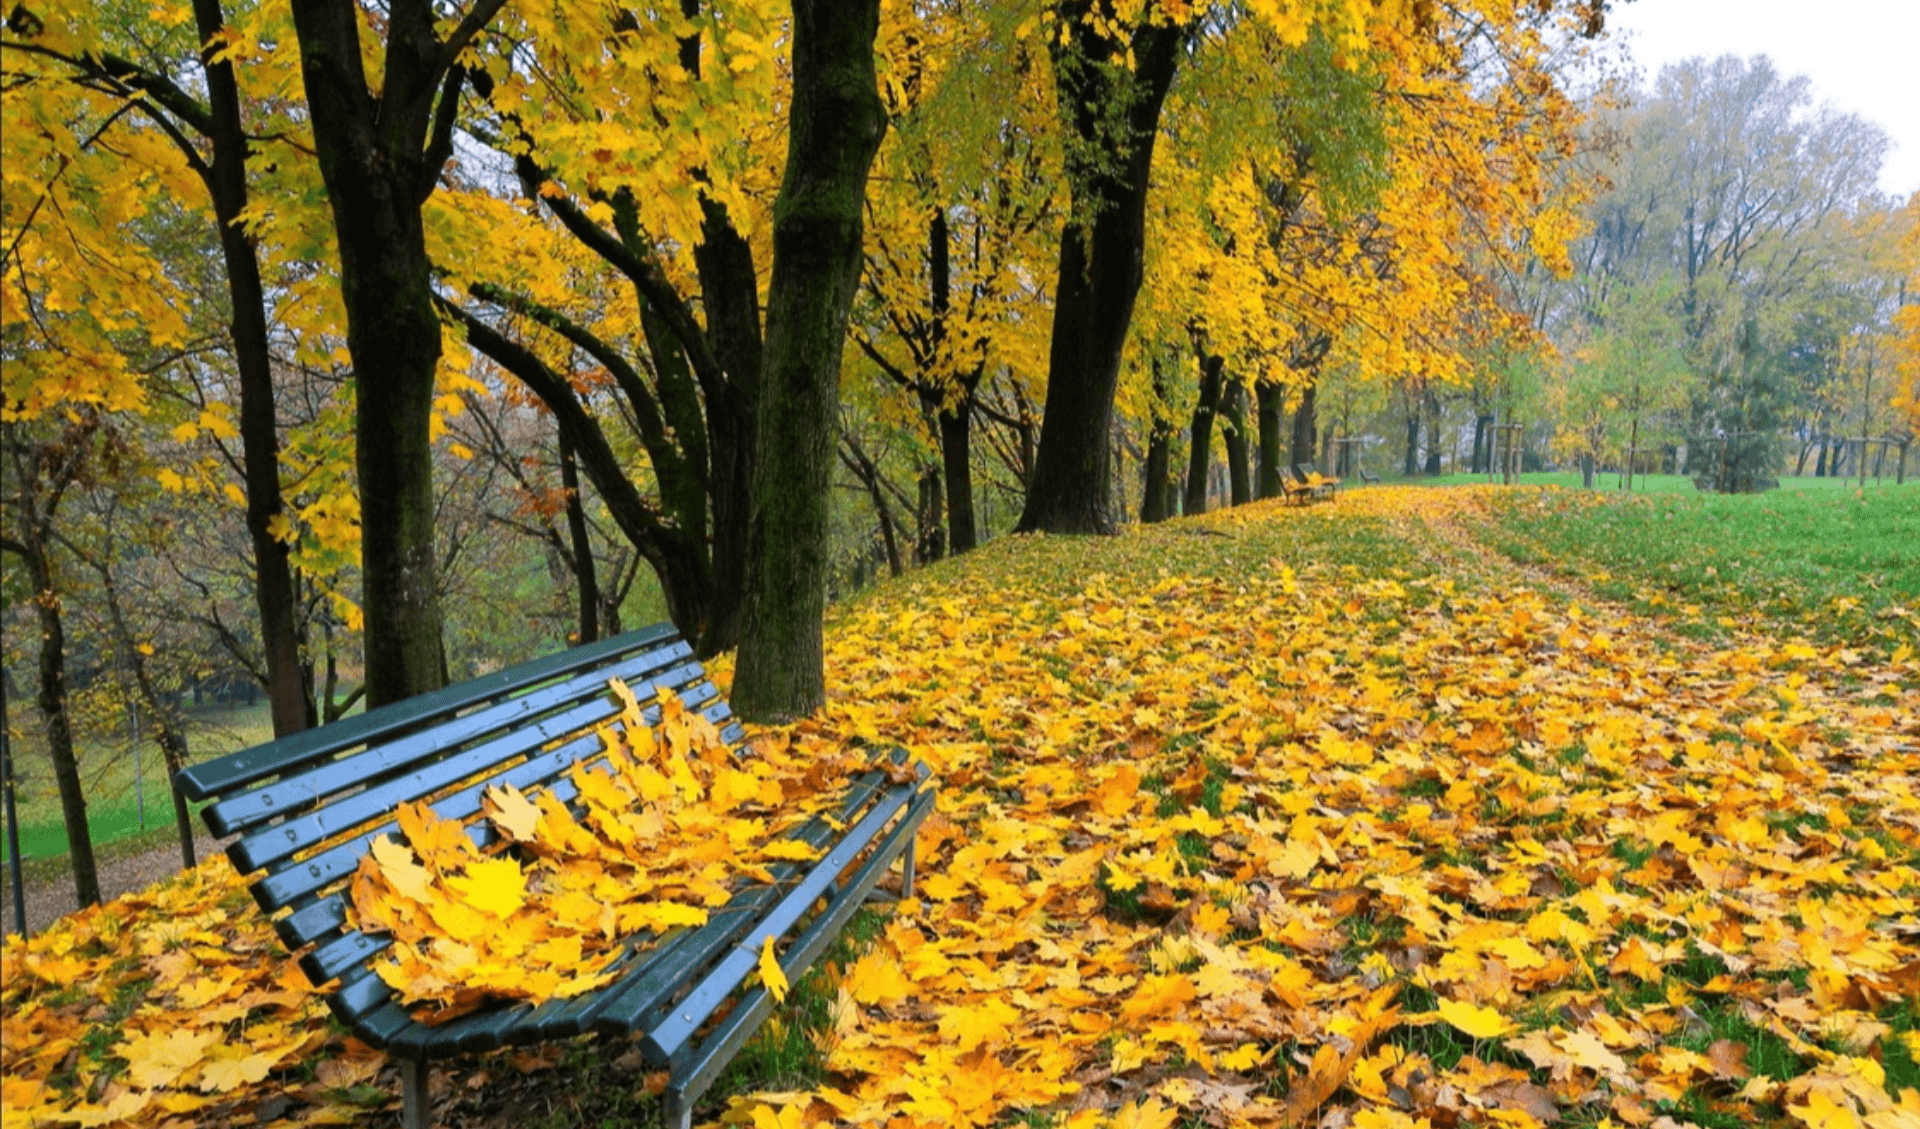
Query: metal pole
(13, 818)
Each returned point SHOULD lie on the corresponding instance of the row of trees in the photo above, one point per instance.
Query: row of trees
(340, 290)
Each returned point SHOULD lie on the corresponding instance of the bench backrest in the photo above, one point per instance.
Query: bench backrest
(308, 806)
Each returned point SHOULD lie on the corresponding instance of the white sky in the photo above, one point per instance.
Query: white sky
(1863, 56)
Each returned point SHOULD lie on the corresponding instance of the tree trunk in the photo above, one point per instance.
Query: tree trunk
(1112, 117)
(226, 180)
(956, 458)
(1305, 433)
(1156, 501)
(1411, 463)
(835, 122)
(52, 700)
(863, 468)
(1433, 434)
(1482, 444)
(730, 292)
(930, 535)
(583, 570)
(1200, 435)
(1586, 470)
(380, 155)
(1271, 409)
(1233, 410)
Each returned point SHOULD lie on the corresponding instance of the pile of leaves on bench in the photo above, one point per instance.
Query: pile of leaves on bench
(670, 821)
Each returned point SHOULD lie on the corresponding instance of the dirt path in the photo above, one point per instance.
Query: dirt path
(48, 901)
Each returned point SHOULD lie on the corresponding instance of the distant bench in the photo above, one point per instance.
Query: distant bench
(308, 806)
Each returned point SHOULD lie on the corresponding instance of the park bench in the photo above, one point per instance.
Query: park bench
(1369, 478)
(1316, 486)
(305, 809)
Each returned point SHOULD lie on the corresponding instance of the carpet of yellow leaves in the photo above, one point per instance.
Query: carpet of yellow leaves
(1277, 817)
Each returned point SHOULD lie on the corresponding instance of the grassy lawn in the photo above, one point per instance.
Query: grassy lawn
(115, 772)
(1840, 566)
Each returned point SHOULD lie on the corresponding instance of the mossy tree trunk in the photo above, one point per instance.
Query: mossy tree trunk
(1111, 115)
(835, 124)
(1233, 412)
(1271, 409)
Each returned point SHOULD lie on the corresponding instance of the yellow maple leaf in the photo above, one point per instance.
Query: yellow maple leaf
(967, 1026)
(771, 974)
(406, 876)
(513, 813)
(877, 978)
(231, 1068)
(159, 1058)
(1479, 1022)
(495, 886)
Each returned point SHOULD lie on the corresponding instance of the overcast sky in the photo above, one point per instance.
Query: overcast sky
(1863, 56)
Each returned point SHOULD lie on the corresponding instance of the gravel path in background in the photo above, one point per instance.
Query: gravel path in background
(49, 901)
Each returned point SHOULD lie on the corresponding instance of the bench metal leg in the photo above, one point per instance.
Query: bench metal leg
(676, 1109)
(413, 1094)
(906, 868)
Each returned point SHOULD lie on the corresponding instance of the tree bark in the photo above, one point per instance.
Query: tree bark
(52, 700)
(835, 123)
(1482, 444)
(1156, 502)
(41, 476)
(583, 570)
(956, 458)
(1200, 435)
(226, 180)
(1271, 410)
(1233, 410)
(1305, 431)
(1411, 463)
(380, 156)
(1112, 117)
(1433, 434)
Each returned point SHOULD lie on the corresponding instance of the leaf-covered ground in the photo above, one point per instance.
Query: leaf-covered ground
(1328, 817)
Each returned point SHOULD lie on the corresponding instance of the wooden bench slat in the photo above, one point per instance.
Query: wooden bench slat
(307, 877)
(296, 793)
(700, 1072)
(706, 997)
(242, 769)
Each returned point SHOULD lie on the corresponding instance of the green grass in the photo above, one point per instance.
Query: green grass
(113, 780)
(1608, 482)
(1836, 565)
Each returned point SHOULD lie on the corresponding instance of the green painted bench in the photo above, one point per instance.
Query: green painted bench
(307, 807)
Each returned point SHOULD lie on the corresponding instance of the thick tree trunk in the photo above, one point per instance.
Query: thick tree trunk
(1271, 409)
(1411, 464)
(956, 459)
(730, 293)
(1233, 411)
(380, 156)
(1482, 444)
(1305, 431)
(583, 570)
(835, 123)
(1113, 118)
(226, 180)
(1200, 435)
(930, 533)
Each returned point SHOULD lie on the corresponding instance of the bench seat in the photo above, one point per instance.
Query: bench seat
(306, 808)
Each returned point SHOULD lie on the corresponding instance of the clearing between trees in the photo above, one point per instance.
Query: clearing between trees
(1330, 817)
